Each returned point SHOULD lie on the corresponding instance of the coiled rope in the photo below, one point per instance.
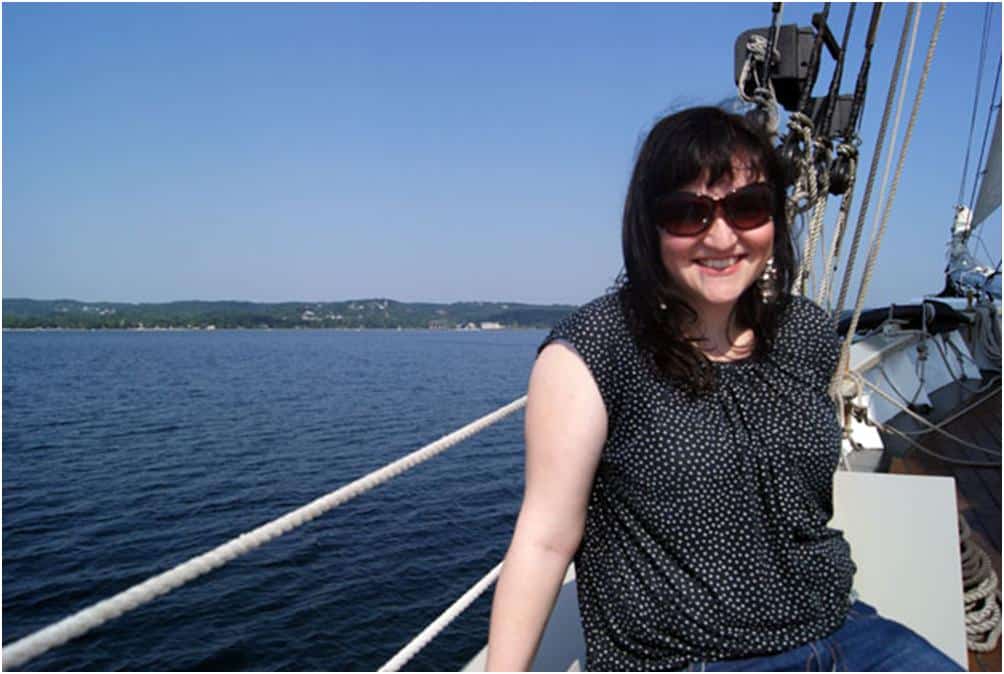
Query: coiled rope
(803, 192)
(807, 193)
(83, 621)
(402, 657)
(982, 594)
(763, 92)
(981, 586)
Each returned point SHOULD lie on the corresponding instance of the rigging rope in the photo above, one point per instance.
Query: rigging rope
(887, 210)
(833, 257)
(958, 413)
(838, 72)
(807, 187)
(817, 190)
(87, 619)
(763, 91)
(876, 157)
(976, 99)
(895, 431)
(929, 425)
(986, 132)
(401, 658)
(929, 452)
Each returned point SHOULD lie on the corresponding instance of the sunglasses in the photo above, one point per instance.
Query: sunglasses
(689, 214)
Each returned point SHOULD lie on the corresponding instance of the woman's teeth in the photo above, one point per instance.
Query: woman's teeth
(719, 263)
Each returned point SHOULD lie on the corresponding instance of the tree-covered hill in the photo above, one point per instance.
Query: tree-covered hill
(365, 313)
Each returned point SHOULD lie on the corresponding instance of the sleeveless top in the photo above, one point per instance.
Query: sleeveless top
(705, 534)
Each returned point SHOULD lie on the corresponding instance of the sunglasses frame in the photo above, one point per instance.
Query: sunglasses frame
(714, 208)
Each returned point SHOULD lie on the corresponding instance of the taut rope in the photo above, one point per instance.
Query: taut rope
(876, 157)
(887, 210)
(402, 657)
(87, 619)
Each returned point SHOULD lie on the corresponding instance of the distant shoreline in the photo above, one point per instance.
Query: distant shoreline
(368, 314)
(511, 328)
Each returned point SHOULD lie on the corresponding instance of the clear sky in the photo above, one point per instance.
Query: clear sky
(416, 152)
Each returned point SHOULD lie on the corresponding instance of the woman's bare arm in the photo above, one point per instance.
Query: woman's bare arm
(566, 427)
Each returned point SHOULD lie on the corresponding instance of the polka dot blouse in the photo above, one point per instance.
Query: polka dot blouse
(705, 535)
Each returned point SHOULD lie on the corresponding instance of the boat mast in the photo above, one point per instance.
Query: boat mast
(964, 276)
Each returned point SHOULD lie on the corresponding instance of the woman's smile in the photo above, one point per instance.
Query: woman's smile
(720, 266)
(715, 267)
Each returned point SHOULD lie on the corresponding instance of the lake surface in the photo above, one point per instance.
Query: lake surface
(126, 453)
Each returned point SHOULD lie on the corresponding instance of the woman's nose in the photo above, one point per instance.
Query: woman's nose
(720, 234)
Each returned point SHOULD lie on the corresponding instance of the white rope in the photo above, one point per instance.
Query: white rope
(802, 195)
(763, 92)
(879, 231)
(756, 52)
(87, 619)
(873, 171)
(807, 193)
(832, 258)
(982, 595)
(439, 624)
(820, 188)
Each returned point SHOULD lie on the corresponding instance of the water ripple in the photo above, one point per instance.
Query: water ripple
(127, 453)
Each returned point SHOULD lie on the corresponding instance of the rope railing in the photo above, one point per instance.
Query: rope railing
(81, 622)
(402, 657)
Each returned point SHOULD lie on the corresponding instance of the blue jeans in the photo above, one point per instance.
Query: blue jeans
(866, 642)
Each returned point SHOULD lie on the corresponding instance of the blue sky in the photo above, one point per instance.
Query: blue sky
(436, 153)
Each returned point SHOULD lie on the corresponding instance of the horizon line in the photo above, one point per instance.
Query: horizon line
(362, 299)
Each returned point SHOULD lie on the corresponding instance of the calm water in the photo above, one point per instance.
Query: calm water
(127, 453)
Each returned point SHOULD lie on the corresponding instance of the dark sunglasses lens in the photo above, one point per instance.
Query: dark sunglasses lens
(750, 207)
(683, 215)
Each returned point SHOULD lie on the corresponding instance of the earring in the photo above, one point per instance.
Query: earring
(662, 306)
(767, 283)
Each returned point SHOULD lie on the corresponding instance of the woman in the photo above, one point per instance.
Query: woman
(681, 442)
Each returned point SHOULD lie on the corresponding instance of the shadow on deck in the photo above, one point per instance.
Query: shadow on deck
(978, 489)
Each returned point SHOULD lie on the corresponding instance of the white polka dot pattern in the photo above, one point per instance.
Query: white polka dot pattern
(706, 532)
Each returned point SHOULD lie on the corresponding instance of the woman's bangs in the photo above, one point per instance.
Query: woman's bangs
(714, 156)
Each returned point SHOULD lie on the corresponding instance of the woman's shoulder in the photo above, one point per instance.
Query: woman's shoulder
(595, 332)
(803, 316)
(807, 337)
(600, 318)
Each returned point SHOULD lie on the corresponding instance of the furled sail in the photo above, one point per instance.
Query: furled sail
(989, 199)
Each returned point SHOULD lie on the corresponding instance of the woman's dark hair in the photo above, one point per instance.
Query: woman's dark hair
(680, 149)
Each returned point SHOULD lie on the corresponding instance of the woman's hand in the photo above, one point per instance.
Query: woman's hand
(566, 428)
